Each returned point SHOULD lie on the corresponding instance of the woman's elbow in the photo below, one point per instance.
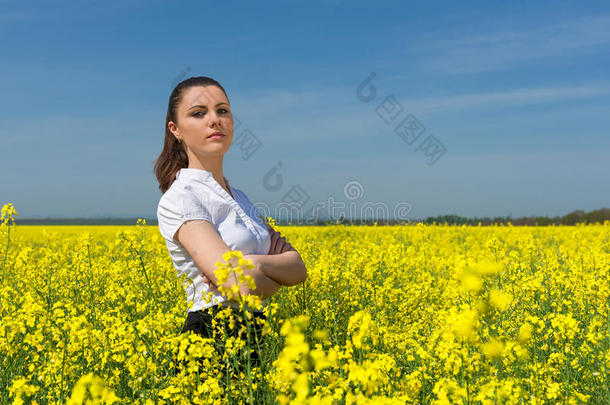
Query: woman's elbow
(303, 274)
(300, 276)
(304, 277)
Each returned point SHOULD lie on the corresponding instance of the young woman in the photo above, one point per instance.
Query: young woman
(201, 216)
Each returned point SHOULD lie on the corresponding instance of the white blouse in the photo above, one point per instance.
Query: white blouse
(195, 194)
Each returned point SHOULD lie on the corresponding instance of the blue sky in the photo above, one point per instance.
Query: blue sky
(516, 93)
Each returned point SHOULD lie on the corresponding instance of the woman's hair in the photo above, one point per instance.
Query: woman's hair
(173, 157)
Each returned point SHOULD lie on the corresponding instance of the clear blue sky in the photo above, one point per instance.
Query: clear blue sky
(518, 94)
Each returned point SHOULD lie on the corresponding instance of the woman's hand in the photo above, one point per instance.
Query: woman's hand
(278, 242)
(209, 282)
(265, 286)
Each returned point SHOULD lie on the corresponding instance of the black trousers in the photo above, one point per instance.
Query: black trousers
(200, 322)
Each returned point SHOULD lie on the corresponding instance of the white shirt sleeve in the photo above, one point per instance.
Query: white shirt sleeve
(177, 206)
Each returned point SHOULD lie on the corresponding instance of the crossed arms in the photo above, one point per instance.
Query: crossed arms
(281, 266)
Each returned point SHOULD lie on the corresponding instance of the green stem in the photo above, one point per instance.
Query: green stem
(143, 266)
(243, 310)
(91, 295)
(8, 243)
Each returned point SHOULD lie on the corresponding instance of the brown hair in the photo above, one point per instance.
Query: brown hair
(173, 157)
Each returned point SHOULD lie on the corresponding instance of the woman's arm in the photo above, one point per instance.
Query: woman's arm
(285, 268)
(205, 246)
(288, 270)
(265, 286)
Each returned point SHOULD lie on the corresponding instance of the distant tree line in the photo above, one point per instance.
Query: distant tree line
(574, 217)
(78, 221)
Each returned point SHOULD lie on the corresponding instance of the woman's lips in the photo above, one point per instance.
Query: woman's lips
(216, 136)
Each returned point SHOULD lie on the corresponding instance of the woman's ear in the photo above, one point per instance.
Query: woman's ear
(172, 128)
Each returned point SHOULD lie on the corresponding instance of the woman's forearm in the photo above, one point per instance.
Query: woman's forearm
(285, 268)
(265, 286)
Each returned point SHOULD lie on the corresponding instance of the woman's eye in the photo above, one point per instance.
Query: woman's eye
(199, 113)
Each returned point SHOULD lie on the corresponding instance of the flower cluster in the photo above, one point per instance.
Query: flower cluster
(226, 271)
(413, 314)
(8, 214)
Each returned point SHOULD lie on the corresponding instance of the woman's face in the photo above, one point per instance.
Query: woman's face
(203, 111)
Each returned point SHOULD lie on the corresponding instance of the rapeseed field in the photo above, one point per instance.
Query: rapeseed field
(428, 314)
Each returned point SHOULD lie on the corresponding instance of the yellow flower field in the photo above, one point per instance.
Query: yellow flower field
(402, 314)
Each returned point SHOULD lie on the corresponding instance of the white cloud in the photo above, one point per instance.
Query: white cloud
(319, 114)
(508, 97)
(494, 50)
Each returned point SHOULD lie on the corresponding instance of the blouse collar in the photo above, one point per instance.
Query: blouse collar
(204, 176)
(190, 173)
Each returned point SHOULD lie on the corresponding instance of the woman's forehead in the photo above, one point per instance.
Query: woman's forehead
(208, 96)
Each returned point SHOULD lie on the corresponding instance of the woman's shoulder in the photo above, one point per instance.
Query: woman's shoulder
(183, 202)
(176, 193)
(187, 196)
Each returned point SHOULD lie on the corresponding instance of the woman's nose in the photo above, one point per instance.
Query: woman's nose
(214, 120)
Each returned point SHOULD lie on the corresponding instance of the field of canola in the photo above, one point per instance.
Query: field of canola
(405, 314)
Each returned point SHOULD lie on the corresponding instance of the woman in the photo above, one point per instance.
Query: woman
(201, 216)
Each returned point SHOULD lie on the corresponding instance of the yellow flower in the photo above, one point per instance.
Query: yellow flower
(525, 333)
(464, 324)
(91, 389)
(487, 267)
(8, 213)
(271, 222)
(492, 348)
(482, 306)
(77, 299)
(320, 334)
(499, 299)
(225, 270)
(360, 326)
(471, 281)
